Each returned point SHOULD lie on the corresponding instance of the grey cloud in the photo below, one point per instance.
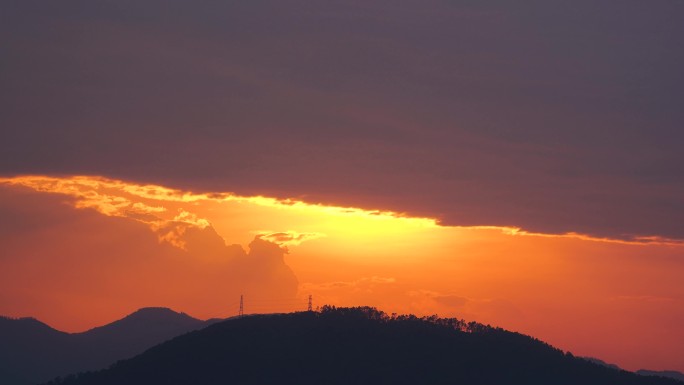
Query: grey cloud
(551, 116)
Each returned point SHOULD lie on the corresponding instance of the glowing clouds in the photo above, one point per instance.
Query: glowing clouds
(155, 206)
(90, 244)
(170, 213)
(289, 238)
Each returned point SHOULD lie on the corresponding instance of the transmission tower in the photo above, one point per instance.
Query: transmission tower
(242, 307)
(310, 307)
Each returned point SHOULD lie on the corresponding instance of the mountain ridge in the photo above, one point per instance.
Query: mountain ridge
(355, 345)
(662, 373)
(34, 352)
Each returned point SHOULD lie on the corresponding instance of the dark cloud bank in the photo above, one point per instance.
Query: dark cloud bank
(552, 116)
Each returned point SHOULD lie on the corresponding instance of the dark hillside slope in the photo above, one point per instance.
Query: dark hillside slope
(355, 346)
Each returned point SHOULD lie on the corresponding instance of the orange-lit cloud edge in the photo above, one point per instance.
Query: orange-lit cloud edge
(611, 298)
(118, 205)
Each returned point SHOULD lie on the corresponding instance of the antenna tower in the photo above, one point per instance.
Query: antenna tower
(242, 307)
(310, 307)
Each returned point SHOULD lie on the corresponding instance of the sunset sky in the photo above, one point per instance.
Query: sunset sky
(518, 164)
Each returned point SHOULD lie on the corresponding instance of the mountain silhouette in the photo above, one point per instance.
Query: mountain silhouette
(662, 373)
(601, 362)
(33, 352)
(642, 372)
(355, 346)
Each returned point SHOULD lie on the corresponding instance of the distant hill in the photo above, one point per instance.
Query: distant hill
(642, 372)
(355, 346)
(601, 362)
(663, 373)
(32, 352)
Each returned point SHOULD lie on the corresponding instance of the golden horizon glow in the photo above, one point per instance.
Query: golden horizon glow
(116, 246)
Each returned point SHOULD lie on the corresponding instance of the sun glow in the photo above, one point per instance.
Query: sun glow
(191, 251)
(159, 206)
(156, 205)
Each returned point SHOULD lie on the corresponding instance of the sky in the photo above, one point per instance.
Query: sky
(514, 164)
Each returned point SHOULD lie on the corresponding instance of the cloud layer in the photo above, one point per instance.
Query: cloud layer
(78, 268)
(546, 116)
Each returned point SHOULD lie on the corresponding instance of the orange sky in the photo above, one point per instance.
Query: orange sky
(82, 251)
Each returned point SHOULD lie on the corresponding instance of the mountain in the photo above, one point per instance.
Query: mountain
(642, 372)
(33, 352)
(132, 335)
(355, 346)
(601, 362)
(663, 373)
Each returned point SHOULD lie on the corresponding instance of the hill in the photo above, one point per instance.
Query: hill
(355, 346)
(33, 352)
(642, 372)
(662, 373)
